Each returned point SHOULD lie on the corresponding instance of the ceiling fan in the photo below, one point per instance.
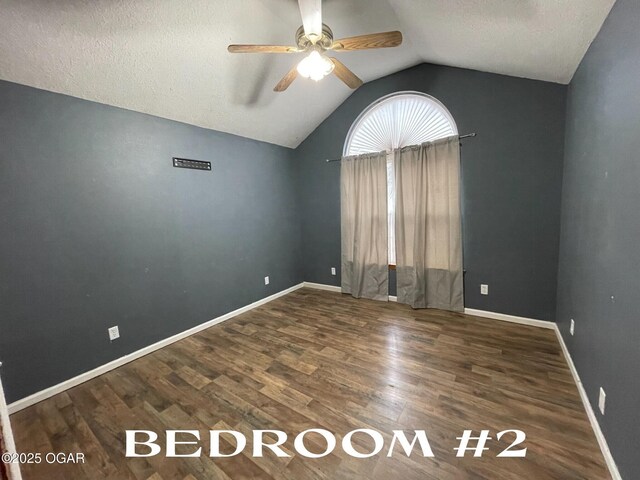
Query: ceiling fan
(316, 39)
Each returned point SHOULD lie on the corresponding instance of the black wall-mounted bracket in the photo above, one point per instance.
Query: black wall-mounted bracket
(193, 164)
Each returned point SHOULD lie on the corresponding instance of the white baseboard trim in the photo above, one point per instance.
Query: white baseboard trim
(322, 286)
(602, 441)
(469, 311)
(83, 377)
(510, 318)
(6, 439)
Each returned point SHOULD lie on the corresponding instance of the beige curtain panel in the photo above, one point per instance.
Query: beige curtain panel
(428, 225)
(363, 204)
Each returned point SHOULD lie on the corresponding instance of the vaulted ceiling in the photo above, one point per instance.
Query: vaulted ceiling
(168, 57)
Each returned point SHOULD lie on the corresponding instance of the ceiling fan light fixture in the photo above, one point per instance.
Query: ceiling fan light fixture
(315, 66)
(316, 39)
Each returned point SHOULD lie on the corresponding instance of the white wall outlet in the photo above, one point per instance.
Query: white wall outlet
(484, 289)
(266, 280)
(333, 270)
(601, 400)
(113, 333)
(572, 328)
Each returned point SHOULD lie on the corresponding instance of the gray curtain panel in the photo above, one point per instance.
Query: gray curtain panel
(428, 225)
(363, 208)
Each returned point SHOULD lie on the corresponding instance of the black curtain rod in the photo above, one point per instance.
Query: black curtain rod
(468, 135)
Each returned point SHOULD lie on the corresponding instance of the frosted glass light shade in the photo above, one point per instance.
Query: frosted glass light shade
(315, 66)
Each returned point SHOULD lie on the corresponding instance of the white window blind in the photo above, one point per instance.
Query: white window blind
(395, 121)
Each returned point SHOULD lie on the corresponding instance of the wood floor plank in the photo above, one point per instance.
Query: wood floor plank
(316, 359)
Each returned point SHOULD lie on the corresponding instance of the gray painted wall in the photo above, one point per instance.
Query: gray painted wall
(512, 177)
(98, 229)
(600, 254)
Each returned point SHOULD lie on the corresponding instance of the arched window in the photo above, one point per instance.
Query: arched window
(399, 120)
(395, 121)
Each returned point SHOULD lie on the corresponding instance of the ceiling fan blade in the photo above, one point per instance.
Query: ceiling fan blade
(372, 40)
(311, 13)
(346, 75)
(287, 80)
(261, 49)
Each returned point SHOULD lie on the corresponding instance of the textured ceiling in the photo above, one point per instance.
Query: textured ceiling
(168, 57)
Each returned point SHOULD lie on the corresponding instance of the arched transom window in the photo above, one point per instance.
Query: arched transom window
(395, 121)
(399, 120)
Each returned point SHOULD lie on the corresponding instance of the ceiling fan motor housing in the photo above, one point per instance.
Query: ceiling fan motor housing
(324, 42)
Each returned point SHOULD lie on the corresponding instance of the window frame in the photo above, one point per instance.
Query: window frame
(369, 110)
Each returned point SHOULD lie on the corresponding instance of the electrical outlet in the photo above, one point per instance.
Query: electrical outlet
(266, 280)
(484, 289)
(333, 270)
(113, 333)
(601, 400)
(572, 328)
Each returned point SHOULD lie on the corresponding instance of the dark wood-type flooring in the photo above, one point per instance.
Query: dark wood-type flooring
(316, 359)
